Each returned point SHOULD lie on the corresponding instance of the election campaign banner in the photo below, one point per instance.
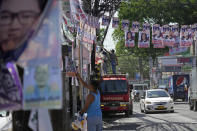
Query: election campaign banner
(157, 36)
(125, 25)
(115, 22)
(186, 36)
(144, 39)
(168, 39)
(135, 27)
(129, 39)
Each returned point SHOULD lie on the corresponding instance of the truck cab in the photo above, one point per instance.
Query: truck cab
(116, 95)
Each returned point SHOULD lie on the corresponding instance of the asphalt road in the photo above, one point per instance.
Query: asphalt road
(181, 120)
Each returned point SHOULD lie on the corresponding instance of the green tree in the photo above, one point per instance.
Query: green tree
(153, 12)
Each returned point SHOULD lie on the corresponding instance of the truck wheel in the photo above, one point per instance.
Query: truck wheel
(141, 109)
(195, 105)
(191, 105)
(127, 113)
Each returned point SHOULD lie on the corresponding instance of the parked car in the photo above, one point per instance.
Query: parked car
(156, 100)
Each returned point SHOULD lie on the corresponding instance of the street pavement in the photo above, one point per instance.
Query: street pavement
(181, 120)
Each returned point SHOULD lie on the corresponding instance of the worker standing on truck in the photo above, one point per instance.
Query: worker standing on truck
(92, 105)
(114, 61)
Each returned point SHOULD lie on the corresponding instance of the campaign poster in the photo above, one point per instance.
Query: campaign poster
(129, 39)
(10, 87)
(42, 87)
(144, 40)
(87, 34)
(177, 49)
(44, 46)
(186, 36)
(115, 22)
(135, 27)
(105, 20)
(14, 36)
(125, 25)
(93, 34)
(194, 31)
(168, 39)
(157, 36)
(70, 67)
(146, 28)
(76, 10)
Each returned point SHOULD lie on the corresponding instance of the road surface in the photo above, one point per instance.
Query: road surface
(181, 120)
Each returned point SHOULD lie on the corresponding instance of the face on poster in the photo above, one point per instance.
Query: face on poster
(146, 28)
(17, 18)
(125, 24)
(115, 22)
(10, 88)
(144, 40)
(157, 32)
(129, 39)
(42, 87)
(175, 31)
(105, 20)
(135, 26)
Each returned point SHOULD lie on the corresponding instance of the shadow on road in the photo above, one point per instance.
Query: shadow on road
(110, 123)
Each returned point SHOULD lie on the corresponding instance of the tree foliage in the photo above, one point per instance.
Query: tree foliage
(153, 12)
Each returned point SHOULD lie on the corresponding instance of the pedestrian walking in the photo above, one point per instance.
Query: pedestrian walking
(92, 105)
(114, 61)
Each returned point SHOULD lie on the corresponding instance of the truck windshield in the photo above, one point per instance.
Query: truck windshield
(114, 86)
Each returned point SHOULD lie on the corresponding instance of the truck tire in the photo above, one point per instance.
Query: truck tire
(191, 105)
(195, 105)
(127, 113)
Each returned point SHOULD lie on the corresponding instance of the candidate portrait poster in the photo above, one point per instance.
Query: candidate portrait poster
(135, 27)
(125, 25)
(186, 36)
(42, 87)
(146, 28)
(157, 36)
(168, 39)
(194, 31)
(10, 87)
(129, 39)
(105, 20)
(115, 22)
(144, 40)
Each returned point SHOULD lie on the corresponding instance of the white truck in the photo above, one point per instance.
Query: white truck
(192, 92)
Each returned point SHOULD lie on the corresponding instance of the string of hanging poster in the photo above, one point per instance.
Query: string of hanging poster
(162, 36)
(86, 24)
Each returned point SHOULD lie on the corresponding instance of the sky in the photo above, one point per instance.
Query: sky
(108, 42)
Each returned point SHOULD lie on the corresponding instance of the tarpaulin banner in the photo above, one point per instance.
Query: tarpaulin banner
(129, 39)
(186, 36)
(76, 11)
(42, 87)
(135, 26)
(70, 67)
(157, 36)
(105, 20)
(115, 22)
(167, 36)
(177, 50)
(146, 28)
(87, 34)
(10, 88)
(144, 39)
(16, 29)
(194, 31)
(125, 25)
(44, 47)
